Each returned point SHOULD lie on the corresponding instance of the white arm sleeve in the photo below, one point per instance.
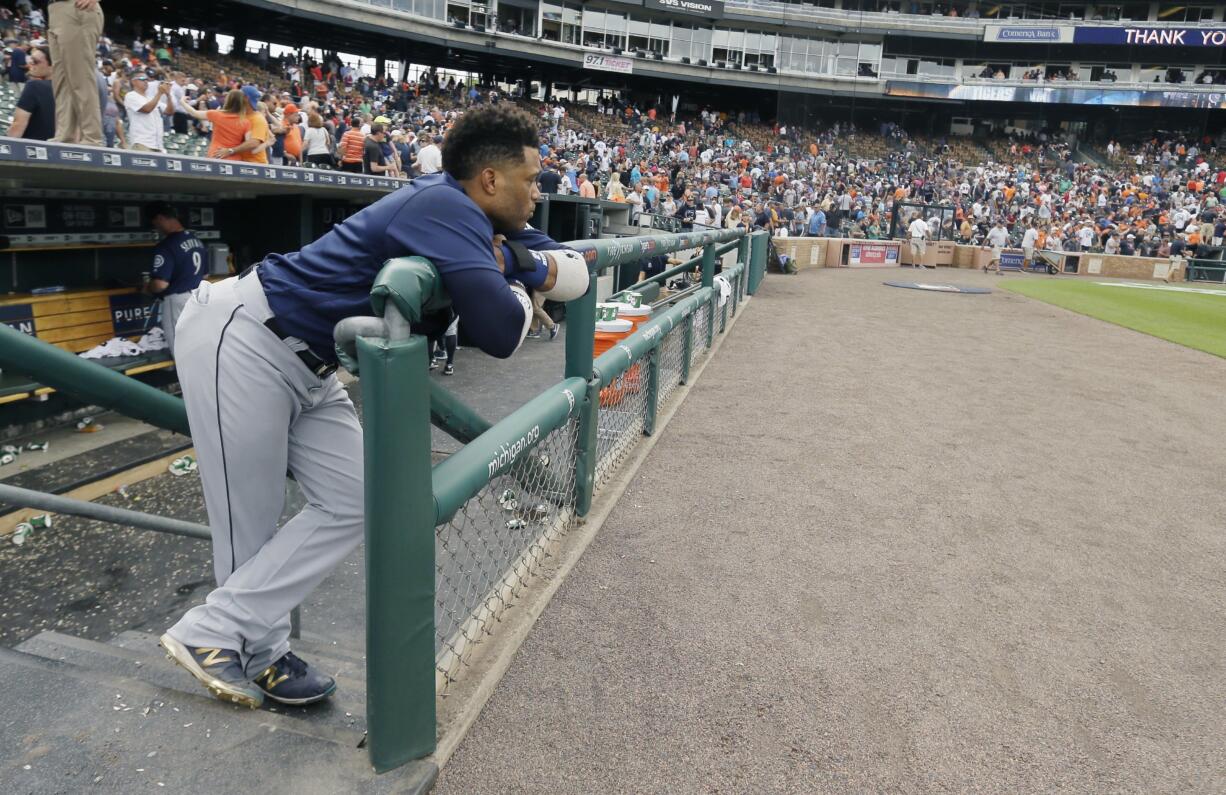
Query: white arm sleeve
(526, 302)
(572, 276)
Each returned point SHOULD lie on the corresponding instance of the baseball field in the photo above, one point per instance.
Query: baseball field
(1188, 314)
(898, 541)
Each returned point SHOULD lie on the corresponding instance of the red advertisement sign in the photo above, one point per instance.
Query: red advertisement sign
(873, 255)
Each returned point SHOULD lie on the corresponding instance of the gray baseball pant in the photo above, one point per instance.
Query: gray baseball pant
(255, 411)
(172, 308)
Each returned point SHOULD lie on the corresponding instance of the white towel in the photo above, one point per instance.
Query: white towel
(155, 340)
(725, 288)
(115, 346)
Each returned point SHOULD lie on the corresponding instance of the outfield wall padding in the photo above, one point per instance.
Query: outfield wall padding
(821, 252)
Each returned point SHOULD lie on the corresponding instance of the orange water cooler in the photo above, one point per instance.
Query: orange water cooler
(638, 315)
(608, 334)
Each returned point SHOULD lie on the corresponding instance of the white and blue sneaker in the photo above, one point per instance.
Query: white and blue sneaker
(290, 680)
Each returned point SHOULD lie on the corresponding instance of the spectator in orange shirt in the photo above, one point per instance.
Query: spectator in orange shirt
(231, 131)
(352, 145)
(290, 120)
(259, 127)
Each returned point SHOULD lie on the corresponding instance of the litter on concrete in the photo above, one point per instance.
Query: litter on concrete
(182, 466)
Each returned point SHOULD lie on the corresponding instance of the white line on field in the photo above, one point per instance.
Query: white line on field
(1166, 288)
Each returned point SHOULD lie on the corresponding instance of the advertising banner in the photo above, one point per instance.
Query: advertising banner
(1123, 35)
(1160, 98)
(1028, 34)
(1011, 260)
(48, 153)
(1142, 36)
(19, 317)
(608, 63)
(873, 255)
(130, 313)
(712, 9)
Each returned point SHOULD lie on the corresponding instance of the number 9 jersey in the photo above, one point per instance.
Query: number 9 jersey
(180, 260)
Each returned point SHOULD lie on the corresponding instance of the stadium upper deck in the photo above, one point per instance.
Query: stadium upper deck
(1122, 55)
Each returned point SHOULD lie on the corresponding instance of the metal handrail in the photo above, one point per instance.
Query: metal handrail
(99, 512)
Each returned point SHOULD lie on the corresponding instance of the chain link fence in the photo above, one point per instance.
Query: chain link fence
(672, 358)
(701, 320)
(623, 410)
(490, 549)
(493, 546)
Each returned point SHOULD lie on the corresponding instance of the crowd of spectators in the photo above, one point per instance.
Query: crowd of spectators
(1155, 198)
(713, 168)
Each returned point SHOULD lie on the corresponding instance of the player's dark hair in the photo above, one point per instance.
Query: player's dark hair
(488, 135)
(164, 209)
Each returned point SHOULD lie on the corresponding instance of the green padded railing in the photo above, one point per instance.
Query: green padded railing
(449, 547)
(485, 519)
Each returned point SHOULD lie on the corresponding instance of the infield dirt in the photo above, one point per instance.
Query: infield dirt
(895, 541)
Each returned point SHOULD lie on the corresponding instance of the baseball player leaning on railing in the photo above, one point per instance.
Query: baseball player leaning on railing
(256, 362)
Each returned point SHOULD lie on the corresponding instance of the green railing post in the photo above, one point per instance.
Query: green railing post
(653, 391)
(757, 259)
(708, 265)
(708, 280)
(743, 255)
(688, 348)
(400, 715)
(581, 333)
(585, 444)
(580, 345)
(710, 310)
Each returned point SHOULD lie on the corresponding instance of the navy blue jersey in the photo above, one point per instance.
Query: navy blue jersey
(313, 289)
(181, 260)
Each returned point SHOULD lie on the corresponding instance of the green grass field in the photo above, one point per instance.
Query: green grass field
(1197, 320)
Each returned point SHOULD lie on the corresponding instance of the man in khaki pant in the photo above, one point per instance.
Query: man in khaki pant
(72, 31)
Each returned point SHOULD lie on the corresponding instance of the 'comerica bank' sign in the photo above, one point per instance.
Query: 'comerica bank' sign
(1123, 35)
(1028, 34)
(706, 8)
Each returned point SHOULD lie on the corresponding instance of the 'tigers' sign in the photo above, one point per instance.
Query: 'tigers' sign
(705, 8)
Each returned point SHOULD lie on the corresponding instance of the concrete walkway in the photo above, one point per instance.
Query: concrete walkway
(895, 541)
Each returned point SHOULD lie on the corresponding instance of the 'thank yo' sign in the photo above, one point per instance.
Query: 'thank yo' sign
(608, 63)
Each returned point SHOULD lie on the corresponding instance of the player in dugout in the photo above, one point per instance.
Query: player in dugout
(179, 264)
(256, 362)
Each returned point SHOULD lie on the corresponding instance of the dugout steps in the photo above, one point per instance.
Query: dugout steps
(121, 716)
